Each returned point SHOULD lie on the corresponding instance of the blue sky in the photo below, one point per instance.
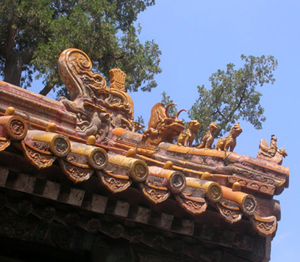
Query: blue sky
(196, 38)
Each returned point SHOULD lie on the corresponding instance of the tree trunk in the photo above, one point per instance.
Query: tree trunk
(46, 89)
(13, 69)
(14, 61)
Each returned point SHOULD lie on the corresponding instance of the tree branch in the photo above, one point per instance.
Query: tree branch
(45, 91)
(239, 103)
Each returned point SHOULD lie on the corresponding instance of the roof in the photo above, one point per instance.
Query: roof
(205, 194)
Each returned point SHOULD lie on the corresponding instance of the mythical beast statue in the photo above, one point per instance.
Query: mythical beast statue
(98, 109)
(162, 127)
(228, 143)
(186, 138)
(208, 139)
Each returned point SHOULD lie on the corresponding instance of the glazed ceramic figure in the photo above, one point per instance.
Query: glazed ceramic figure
(186, 138)
(162, 127)
(208, 140)
(228, 143)
(271, 152)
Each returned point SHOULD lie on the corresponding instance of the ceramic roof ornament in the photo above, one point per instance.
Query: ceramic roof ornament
(85, 153)
(271, 152)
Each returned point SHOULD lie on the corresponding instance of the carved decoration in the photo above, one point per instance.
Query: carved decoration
(193, 207)
(128, 167)
(196, 186)
(98, 109)
(265, 226)
(208, 140)
(271, 152)
(40, 158)
(166, 179)
(161, 126)
(156, 195)
(107, 114)
(87, 156)
(17, 128)
(76, 173)
(253, 185)
(249, 205)
(230, 215)
(258, 176)
(186, 138)
(60, 235)
(115, 183)
(228, 143)
(48, 142)
(121, 171)
(192, 199)
(154, 188)
(117, 79)
(12, 126)
(246, 202)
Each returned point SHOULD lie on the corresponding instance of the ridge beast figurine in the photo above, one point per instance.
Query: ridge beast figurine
(186, 138)
(208, 139)
(162, 127)
(159, 187)
(228, 143)
(271, 152)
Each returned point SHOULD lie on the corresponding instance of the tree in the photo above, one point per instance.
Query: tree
(166, 99)
(33, 33)
(233, 95)
(141, 121)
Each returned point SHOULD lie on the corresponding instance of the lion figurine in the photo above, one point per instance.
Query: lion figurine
(228, 143)
(209, 138)
(186, 138)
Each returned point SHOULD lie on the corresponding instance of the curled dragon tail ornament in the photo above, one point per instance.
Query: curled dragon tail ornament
(98, 109)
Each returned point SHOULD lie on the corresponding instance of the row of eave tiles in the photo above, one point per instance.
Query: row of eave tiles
(79, 161)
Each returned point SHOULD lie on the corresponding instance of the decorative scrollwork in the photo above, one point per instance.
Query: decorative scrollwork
(75, 173)
(140, 171)
(43, 146)
(264, 225)
(98, 109)
(112, 183)
(230, 215)
(156, 195)
(191, 206)
(16, 127)
(61, 146)
(194, 207)
(249, 205)
(99, 158)
(37, 158)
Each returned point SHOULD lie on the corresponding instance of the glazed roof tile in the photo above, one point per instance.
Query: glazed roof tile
(97, 141)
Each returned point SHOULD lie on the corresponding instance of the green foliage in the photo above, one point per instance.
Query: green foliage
(233, 95)
(141, 120)
(33, 33)
(166, 99)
